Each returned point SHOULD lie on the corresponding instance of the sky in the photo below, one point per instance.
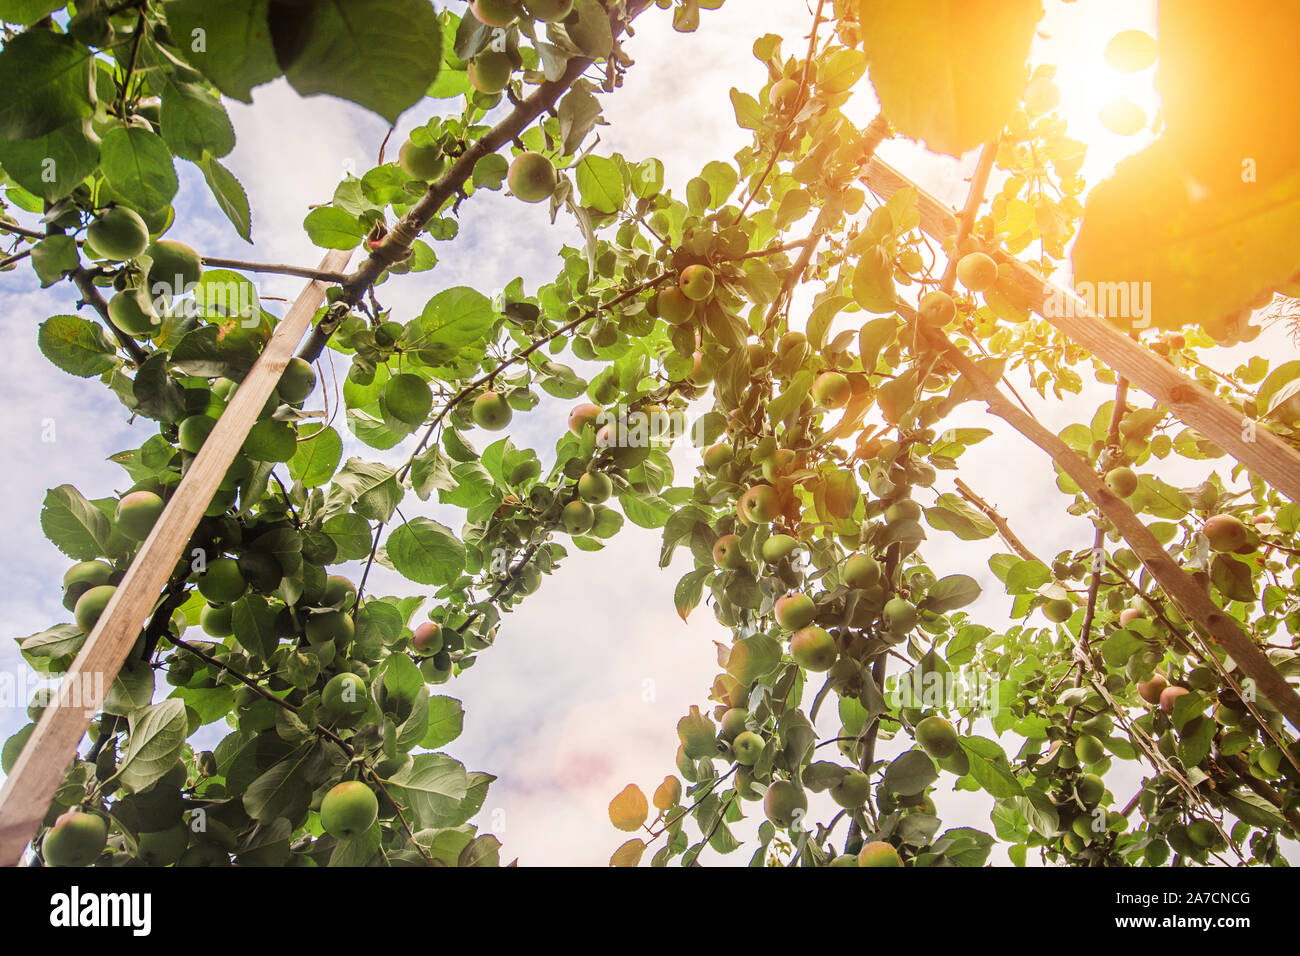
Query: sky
(583, 689)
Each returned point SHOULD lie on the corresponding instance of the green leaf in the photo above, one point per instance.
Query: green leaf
(645, 510)
(26, 12)
(230, 196)
(138, 167)
(954, 515)
(910, 773)
(333, 228)
(446, 721)
(155, 743)
(590, 31)
(282, 791)
(948, 72)
(689, 590)
(319, 451)
(432, 787)
(989, 767)
(46, 81)
(52, 165)
(350, 534)
(73, 524)
(600, 183)
(381, 54)
(749, 114)
(426, 552)
(76, 346)
(951, 592)
(53, 257)
(194, 122)
(230, 42)
(373, 488)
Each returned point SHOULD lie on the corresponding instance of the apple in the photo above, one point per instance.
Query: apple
(222, 582)
(784, 803)
(426, 640)
(898, 616)
(851, 791)
(905, 509)
(1090, 788)
(879, 853)
(81, 577)
(726, 552)
(193, 431)
(831, 390)
(795, 611)
(1128, 616)
(759, 505)
(582, 416)
(495, 13)
(595, 487)
(814, 649)
(696, 282)
(784, 94)
(345, 698)
(977, 271)
(163, 847)
(424, 163)
(330, 627)
(674, 307)
(91, 605)
(491, 411)
(779, 464)
(777, 547)
(861, 571)
(733, 720)
(489, 71)
(1122, 481)
(548, 10)
(1088, 749)
(1058, 610)
(338, 593)
(76, 839)
(1225, 533)
(297, 381)
(577, 517)
(716, 456)
(118, 233)
(217, 621)
(937, 309)
(747, 747)
(133, 313)
(1169, 695)
(348, 810)
(532, 177)
(408, 398)
(1151, 690)
(937, 737)
(136, 514)
(175, 267)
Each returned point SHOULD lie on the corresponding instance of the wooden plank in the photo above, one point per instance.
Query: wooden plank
(31, 786)
(1263, 453)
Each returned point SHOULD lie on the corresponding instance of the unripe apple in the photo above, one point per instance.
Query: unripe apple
(726, 552)
(163, 847)
(747, 747)
(784, 94)
(777, 547)
(532, 177)
(297, 381)
(217, 621)
(136, 514)
(1225, 533)
(937, 737)
(423, 162)
(673, 306)
(222, 582)
(898, 616)
(426, 640)
(81, 577)
(330, 627)
(595, 487)
(879, 853)
(861, 571)
(905, 509)
(1169, 695)
(193, 431)
(495, 13)
(1058, 610)
(1128, 616)
(716, 456)
(489, 71)
(91, 605)
(696, 282)
(118, 233)
(548, 10)
(831, 390)
(133, 313)
(1151, 690)
(851, 791)
(1122, 481)
(795, 611)
(784, 803)
(582, 416)
(937, 309)
(175, 267)
(1089, 749)
(759, 505)
(76, 839)
(345, 698)
(577, 517)
(491, 411)
(732, 724)
(338, 592)
(814, 649)
(1090, 788)
(977, 271)
(780, 462)
(348, 810)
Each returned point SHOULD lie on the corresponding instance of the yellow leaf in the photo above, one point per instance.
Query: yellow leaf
(629, 854)
(669, 792)
(629, 809)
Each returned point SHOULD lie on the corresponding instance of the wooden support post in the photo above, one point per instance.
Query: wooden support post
(1264, 454)
(31, 786)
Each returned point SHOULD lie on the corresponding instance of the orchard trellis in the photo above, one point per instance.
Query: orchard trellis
(1160, 642)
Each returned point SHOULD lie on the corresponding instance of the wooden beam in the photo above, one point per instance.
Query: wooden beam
(40, 768)
(1263, 453)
